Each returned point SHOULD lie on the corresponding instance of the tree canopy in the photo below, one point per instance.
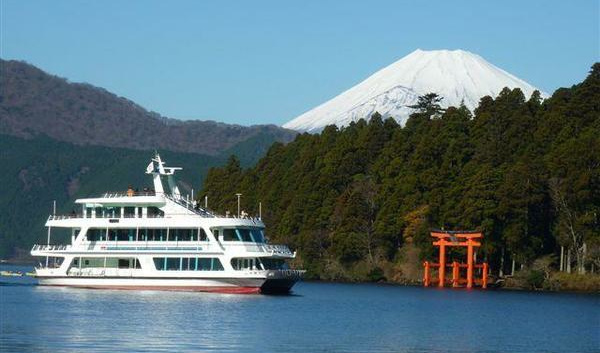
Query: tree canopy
(526, 172)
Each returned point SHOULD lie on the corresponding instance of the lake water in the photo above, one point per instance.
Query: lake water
(318, 317)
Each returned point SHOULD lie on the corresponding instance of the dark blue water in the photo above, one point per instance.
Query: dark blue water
(319, 317)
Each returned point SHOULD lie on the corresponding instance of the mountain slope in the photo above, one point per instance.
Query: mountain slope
(33, 102)
(458, 76)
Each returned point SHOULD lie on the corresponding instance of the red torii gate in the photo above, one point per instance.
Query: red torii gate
(467, 239)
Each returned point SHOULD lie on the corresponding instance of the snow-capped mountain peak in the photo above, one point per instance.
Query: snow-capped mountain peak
(456, 75)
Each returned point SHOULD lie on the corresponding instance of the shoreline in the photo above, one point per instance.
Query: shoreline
(492, 287)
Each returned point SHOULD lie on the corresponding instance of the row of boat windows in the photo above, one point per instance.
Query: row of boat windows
(241, 234)
(106, 262)
(262, 263)
(174, 234)
(188, 264)
(182, 263)
(126, 212)
(147, 234)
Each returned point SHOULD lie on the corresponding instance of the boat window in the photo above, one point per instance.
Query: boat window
(155, 212)
(99, 212)
(202, 235)
(123, 263)
(88, 212)
(205, 264)
(257, 235)
(216, 265)
(185, 263)
(230, 235)
(273, 264)
(129, 212)
(173, 263)
(244, 234)
(113, 212)
(96, 234)
(160, 263)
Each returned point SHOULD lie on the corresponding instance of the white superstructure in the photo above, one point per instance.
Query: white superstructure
(159, 240)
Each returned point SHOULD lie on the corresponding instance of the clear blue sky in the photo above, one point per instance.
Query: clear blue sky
(251, 62)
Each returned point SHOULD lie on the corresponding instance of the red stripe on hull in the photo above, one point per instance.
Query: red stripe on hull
(227, 290)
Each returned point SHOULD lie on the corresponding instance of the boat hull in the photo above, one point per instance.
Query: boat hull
(225, 285)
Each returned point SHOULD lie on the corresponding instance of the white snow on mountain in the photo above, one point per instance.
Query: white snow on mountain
(456, 75)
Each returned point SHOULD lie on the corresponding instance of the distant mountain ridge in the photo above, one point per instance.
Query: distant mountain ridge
(62, 140)
(33, 102)
(460, 77)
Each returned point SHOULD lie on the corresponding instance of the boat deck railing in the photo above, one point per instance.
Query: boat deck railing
(45, 247)
(56, 217)
(278, 249)
(113, 194)
(189, 205)
(272, 249)
(286, 273)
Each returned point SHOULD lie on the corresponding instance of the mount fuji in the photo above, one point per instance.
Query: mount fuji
(456, 75)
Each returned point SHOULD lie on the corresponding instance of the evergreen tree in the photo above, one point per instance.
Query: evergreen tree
(525, 172)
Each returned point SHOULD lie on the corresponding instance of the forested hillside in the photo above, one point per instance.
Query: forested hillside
(61, 140)
(37, 171)
(34, 103)
(357, 202)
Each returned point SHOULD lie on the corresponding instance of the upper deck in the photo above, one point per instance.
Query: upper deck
(147, 208)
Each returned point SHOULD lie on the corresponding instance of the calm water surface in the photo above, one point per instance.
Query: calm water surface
(318, 317)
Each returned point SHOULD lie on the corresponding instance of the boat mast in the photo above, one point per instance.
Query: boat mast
(157, 169)
(49, 228)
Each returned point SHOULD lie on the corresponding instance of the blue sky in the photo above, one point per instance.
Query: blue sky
(254, 62)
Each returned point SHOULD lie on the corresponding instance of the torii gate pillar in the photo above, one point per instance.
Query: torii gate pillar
(442, 268)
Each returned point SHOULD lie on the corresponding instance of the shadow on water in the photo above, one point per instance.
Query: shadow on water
(287, 295)
(17, 284)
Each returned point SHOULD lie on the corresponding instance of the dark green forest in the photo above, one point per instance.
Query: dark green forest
(38, 171)
(359, 202)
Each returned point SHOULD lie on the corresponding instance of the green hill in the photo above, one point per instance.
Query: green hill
(37, 171)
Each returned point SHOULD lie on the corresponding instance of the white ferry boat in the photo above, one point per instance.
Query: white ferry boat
(162, 241)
